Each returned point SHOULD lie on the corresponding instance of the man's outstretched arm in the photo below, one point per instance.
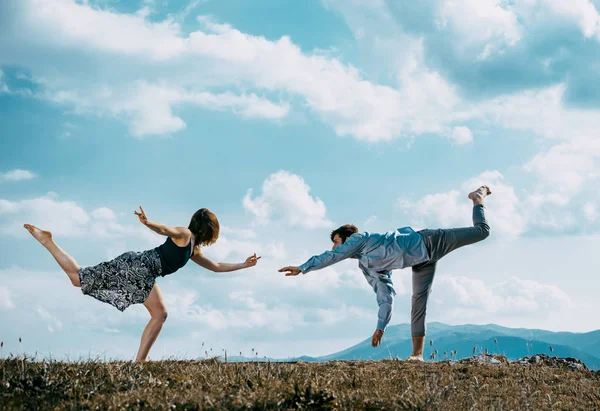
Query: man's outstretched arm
(353, 245)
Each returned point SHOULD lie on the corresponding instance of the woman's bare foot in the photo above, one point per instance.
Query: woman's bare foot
(44, 237)
(415, 358)
(478, 195)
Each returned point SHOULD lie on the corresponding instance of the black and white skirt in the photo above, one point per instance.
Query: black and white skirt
(126, 280)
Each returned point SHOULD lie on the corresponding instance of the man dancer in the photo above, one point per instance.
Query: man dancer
(379, 254)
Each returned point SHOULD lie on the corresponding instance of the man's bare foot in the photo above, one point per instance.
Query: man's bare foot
(44, 237)
(415, 358)
(478, 195)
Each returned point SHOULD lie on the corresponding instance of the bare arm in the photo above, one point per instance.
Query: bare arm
(162, 229)
(204, 261)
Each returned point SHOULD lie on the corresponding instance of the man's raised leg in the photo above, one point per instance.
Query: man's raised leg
(440, 243)
(443, 241)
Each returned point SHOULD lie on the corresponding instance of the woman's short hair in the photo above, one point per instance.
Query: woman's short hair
(205, 227)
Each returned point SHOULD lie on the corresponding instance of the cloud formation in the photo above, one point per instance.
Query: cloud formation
(285, 197)
(514, 296)
(17, 174)
(66, 218)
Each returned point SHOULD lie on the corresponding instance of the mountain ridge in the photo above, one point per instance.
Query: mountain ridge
(467, 339)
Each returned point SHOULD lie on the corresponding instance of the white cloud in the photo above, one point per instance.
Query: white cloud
(565, 168)
(583, 13)
(482, 24)
(540, 111)
(461, 135)
(467, 298)
(149, 107)
(225, 248)
(285, 197)
(276, 251)
(247, 298)
(5, 300)
(66, 219)
(76, 25)
(103, 213)
(341, 314)
(480, 28)
(57, 304)
(446, 209)
(17, 175)
(244, 312)
(590, 211)
(168, 68)
(187, 10)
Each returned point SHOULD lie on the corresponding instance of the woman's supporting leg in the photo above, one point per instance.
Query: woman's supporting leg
(158, 315)
(66, 262)
(422, 278)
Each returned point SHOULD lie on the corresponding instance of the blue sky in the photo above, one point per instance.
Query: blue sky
(288, 118)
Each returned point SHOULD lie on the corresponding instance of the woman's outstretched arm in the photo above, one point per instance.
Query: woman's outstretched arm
(209, 264)
(162, 229)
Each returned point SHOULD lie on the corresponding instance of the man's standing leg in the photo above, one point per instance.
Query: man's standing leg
(422, 278)
(440, 243)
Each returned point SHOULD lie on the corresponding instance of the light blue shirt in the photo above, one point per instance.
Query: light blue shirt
(378, 255)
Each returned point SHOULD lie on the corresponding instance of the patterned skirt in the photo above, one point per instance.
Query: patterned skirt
(126, 280)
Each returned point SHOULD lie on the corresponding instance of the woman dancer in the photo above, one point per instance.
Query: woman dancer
(130, 278)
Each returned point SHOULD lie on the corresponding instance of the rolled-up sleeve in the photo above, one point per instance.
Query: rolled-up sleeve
(351, 246)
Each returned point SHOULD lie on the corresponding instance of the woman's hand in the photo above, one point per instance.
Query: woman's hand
(251, 261)
(141, 215)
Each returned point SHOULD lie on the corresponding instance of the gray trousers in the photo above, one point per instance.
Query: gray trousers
(439, 243)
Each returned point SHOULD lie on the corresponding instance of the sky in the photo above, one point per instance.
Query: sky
(287, 119)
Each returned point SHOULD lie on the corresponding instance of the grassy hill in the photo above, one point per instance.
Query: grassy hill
(363, 385)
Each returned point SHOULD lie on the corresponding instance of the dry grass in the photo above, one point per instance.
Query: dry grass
(365, 385)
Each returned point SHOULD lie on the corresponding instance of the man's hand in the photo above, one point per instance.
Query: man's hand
(376, 340)
(290, 271)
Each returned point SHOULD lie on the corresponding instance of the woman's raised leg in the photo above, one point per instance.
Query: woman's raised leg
(66, 262)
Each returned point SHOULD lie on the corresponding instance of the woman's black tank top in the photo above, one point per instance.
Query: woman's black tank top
(172, 256)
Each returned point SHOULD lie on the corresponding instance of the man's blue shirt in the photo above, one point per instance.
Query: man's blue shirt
(378, 255)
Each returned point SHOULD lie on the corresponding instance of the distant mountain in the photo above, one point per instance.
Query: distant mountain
(512, 342)
(238, 358)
